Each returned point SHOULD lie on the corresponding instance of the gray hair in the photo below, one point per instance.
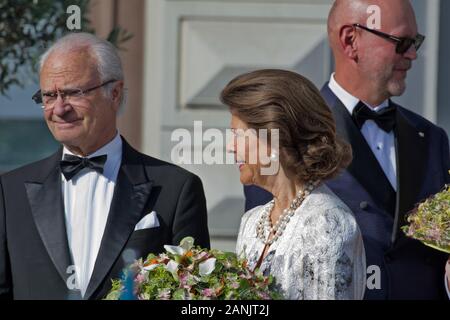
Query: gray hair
(109, 65)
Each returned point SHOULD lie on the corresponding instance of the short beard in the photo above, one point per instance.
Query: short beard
(386, 84)
(382, 79)
(396, 87)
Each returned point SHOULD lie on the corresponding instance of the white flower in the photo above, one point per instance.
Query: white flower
(151, 267)
(175, 250)
(206, 267)
(163, 256)
(172, 266)
(187, 243)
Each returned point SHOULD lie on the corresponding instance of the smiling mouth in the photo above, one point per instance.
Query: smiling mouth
(66, 123)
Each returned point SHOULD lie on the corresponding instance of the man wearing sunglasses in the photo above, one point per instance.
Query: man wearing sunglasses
(72, 222)
(399, 158)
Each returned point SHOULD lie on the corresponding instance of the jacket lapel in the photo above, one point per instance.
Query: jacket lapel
(364, 167)
(47, 208)
(411, 159)
(130, 196)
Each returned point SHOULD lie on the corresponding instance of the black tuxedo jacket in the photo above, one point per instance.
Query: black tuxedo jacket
(409, 270)
(34, 251)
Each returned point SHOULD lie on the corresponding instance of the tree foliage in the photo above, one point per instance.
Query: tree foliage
(28, 27)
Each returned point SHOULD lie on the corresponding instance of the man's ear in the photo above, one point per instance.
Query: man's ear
(117, 93)
(348, 41)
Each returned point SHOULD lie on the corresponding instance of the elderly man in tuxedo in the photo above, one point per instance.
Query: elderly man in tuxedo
(399, 159)
(71, 222)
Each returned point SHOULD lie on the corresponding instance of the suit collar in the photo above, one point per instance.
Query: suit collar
(44, 193)
(127, 208)
(411, 162)
(47, 208)
(349, 100)
(411, 142)
(46, 167)
(373, 180)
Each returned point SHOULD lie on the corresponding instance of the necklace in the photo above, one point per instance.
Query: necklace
(265, 226)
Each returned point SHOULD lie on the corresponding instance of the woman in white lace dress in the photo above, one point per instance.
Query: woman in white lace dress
(306, 237)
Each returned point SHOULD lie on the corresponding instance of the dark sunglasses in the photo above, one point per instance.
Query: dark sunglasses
(403, 43)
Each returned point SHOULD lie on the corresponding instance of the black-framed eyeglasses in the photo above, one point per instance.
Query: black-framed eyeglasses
(49, 98)
(403, 43)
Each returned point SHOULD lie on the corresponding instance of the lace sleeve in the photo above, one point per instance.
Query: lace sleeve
(333, 264)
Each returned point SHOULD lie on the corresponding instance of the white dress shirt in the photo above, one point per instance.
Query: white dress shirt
(87, 200)
(380, 142)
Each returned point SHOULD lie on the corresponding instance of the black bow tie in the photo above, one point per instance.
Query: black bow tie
(71, 165)
(385, 119)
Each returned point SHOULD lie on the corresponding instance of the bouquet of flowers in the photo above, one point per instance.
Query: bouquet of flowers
(430, 221)
(186, 272)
